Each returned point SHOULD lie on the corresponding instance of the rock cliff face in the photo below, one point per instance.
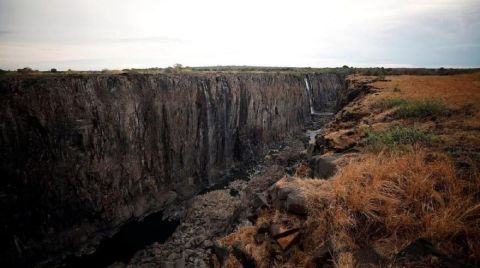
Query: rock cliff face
(327, 91)
(83, 154)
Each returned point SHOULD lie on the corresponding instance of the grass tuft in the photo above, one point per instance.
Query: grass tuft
(413, 109)
(386, 104)
(411, 196)
(397, 138)
(384, 201)
(420, 109)
(390, 200)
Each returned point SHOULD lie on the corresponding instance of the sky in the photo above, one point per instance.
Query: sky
(117, 34)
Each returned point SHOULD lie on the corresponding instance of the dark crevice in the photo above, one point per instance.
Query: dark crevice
(131, 238)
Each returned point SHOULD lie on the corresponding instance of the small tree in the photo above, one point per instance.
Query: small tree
(381, 76)
(25, 70)
(53, 70)
(442, 71)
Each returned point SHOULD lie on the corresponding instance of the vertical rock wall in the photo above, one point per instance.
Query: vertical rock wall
(82, 154)
(328, 91)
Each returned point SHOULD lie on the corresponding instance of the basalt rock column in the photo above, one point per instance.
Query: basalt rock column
(82, 155)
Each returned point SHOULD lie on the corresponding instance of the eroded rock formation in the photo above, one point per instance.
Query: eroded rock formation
(83, 154)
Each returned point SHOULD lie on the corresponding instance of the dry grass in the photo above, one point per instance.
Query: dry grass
(446, 106)
(260, 252)
(382, 201)
(455, 90)
(387, 201)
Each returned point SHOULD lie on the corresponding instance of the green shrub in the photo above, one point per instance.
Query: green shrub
(397, 138)
(390, 103)
(26, 70)
(413, 109)
(420, 109)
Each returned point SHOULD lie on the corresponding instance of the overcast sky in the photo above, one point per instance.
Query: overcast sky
(115, 34)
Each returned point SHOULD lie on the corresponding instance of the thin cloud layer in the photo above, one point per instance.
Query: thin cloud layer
(91, 34)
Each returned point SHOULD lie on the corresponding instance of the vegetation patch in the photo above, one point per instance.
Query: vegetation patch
(397, 138)
(403, 198)
(413, 108)
(390, 103)
(385, 204)
(416, 109)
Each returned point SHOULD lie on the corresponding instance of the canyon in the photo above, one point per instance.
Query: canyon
(84, 155)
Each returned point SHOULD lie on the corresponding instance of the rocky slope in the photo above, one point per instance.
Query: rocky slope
(401, 191)
(81, 155)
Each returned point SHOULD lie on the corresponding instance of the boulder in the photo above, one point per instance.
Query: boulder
(220, 252)
(251, 215)
(180, 263)
(323, 166)
(260, 201)
(207, 243)
(295, 203)
(282, 191)
(167, 264)
(367, 257)
(259, 238)
(278, 230)
(287, 241)
(263, 228)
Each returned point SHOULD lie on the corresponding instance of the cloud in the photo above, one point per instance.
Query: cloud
(149, 39)
(5, 34)
(117, 34)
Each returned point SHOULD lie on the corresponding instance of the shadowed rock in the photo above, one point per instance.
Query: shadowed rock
(242, 256)
(323, 167)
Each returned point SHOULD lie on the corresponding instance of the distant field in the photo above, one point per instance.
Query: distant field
(455, 90)
(380, 72)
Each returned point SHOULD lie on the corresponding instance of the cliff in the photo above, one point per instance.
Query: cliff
(328, 91)
(83, 154)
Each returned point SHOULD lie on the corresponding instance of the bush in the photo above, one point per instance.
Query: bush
(391, 103)
(53, 70)
(25, 70)
(420, 109)
(397, 138)
(413, 109)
